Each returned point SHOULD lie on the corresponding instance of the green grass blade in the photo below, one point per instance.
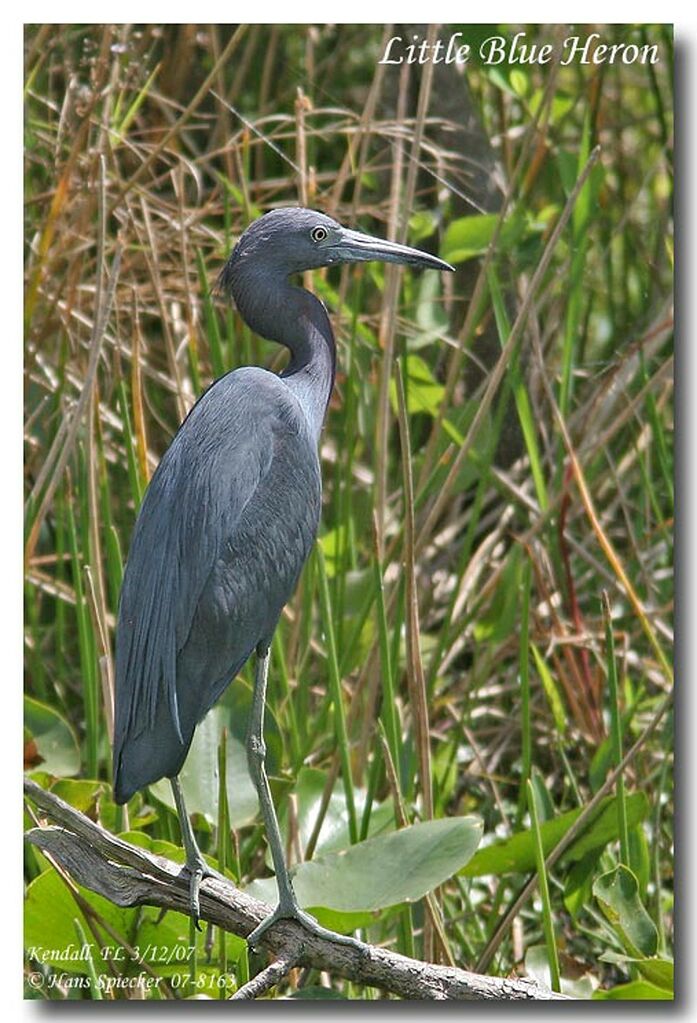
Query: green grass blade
(524, 675)
(520, 394)
(616, 729)
(335, 689)
(543, 887)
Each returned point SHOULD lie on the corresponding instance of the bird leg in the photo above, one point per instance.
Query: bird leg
(288, 907)
(195, 863)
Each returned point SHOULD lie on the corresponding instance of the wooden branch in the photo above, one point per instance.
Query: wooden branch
(129, 876)
(266, 979)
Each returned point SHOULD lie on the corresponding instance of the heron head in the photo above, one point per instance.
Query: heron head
(293, 239)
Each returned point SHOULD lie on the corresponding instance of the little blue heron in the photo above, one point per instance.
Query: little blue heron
(227, 523)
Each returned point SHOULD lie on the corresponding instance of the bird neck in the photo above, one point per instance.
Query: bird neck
(296, 319)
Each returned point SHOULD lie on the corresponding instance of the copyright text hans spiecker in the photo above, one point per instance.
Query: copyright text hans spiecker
(517, 49)
(74, 975)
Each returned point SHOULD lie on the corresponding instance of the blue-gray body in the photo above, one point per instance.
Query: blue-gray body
(226, 525)
(232, 510)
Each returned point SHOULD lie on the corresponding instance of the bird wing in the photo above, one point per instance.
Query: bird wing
(215, 465)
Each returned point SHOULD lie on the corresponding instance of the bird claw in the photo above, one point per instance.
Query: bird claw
(292, 911)
(198, 870)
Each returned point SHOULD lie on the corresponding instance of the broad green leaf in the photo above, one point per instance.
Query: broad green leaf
(158, 846)
(471, 236)
(387, 870)
(423, 392)
(655, 969)
(199, 776)
(52, 737)
(422, 224)
(601, 763)
(660, 972)
(49, 932)
(640, 857)
(617, 891)
(337, 920)
(334, 834)
(80, 793)
(559, 108)
(498, 78)
(578, 883)
(333, 543)
(636, 990)
(519, 82)
(446, 775)
(141, 813)
(516, 854)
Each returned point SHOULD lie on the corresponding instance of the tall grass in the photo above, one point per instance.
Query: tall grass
(447, 651)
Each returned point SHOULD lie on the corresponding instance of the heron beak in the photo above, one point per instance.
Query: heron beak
(354, 247)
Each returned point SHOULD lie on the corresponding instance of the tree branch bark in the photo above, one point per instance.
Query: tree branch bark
(129, 876)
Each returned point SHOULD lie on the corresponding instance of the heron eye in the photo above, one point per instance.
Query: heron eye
(318, 234)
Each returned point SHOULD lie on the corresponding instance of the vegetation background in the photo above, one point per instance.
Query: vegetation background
(484, 630)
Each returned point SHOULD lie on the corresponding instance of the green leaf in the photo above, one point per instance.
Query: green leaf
(119, 131)
(640, 857)
(560, 106)
(578, 884)
(81, 794)
(471, 236)
(334, 834)
(158, 846)
(655, 969)
(53, 738)
(550, 687)
(617, 891)
(423, 392)
(600, 764)
(516, 854)
(386, 870)
(543, 799)
(658, 971)
(199, 776)
(333, 543)
(636, 990)
(519, 82)
(422, 224)
(49, 932)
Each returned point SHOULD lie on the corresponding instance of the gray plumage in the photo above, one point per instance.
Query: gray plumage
(225, 527)
(229, 519)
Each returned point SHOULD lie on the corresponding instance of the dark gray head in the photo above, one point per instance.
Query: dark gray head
(288, 241)
(292, 239)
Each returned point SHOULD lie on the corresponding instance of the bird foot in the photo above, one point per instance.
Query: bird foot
(198, 869)
(292, 911)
